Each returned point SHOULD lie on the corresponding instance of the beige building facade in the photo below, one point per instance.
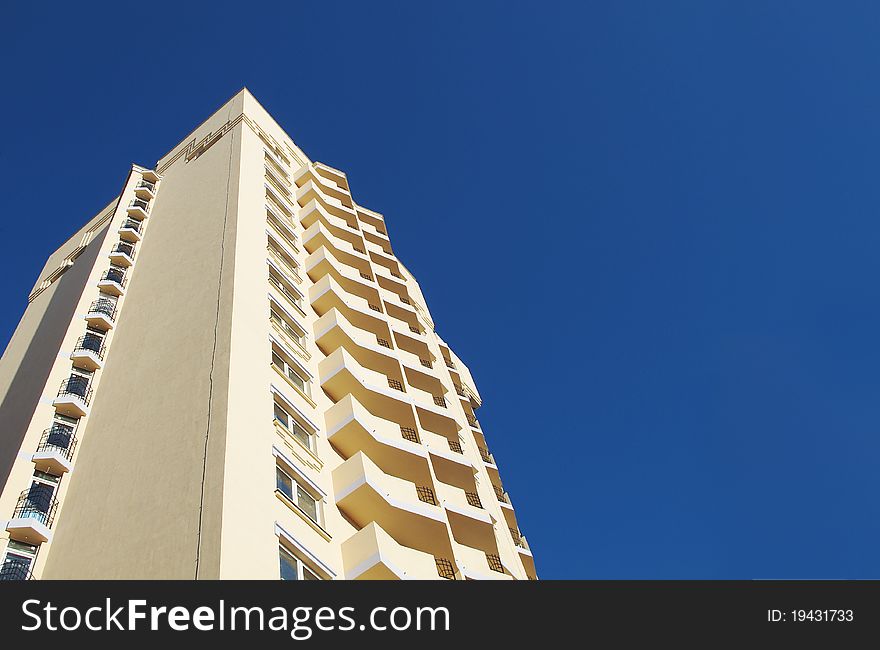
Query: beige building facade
(227, 373)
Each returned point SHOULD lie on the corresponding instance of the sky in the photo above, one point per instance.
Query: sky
(650, 229)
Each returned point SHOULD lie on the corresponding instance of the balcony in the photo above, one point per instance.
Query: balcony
(365, 494)
(373, 218)
(322, 262)
(352, 428)
(476, 564)
(32, 520)
(328, 186)
(130, 231)
(326, 294)
(145, 190)
(471, 524)
(139, 209)
(102, 313)
(55, 452)
(312, 191)
(150, 176)
(372, 554)
(113, 282)
(88, 353)
(333, 331)
(525, 555)
(122, 254)
(451, 466)
(332, 174)
(73, 397)
(342, 375)
(336, 226)
(318, 235)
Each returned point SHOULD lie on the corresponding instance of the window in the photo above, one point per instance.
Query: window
(297, 494)
(292, 568)
(287, 325)
(286, 289)
(294, 427)
(292, 371)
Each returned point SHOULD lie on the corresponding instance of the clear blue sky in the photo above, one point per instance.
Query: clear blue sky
(651, 229)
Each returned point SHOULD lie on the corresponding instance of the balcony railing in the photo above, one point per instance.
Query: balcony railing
(426, 363)
(131, 224)
(486, 456)
(405, 301)
(449, 363)
(384, 343)
(91, 343)
(366, 276)
(460, 391)
(359, 250)
(410, 434)
(517, 537)
(396, 385)
(114, 275)
(78, 387)
(414, 329)
(124, 247)
(58, 439)
(439, 400)
(445, 568)
(105, 307)
(15, 571)
(473, 421)
(147, 185)
(140, 203)
(499, 492)
(426, 494)
(455, 446)
(494, 562)
(374, 307)
(474, 499)
(38, 505)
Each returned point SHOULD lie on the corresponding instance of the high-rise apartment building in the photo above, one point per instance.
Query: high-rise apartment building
(228, 373)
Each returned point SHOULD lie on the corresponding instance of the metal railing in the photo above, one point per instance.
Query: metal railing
(396, 385)
(501, 494)
(486, 456)
(410, 434)
(124, 247)
(131, 224)
(140, 203)
(114, 275)
(426, 494)
(494, 562)
(383, 343)
(359, 250)
(455, 446)
(105, 307)
(449, 364)
(439, 400)
(15, 571)
(36, 504)
(472, 421)
(517, 537)
(445, 568)
(91, 343)
(414, 329)
(366, 276)
(426, 363)
(405, 301)
(474, 499)
(58, 439)
(460, 391)
(76, 386)
(374, 307)
(148, 185)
